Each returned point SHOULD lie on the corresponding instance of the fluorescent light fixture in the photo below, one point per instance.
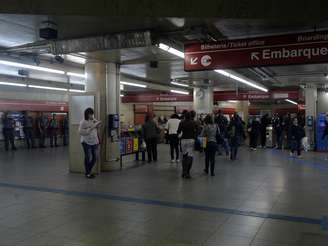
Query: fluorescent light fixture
(47, 88)
(79, 75)
(122, 87)
(13, 84)
(232, 101)
(74, 90)
(179, 84)
(171, 50)
(43, 69)
(241, 80)
(290, 101)
(76, 59)
(180, 92)
(121, 95)
(133, 84)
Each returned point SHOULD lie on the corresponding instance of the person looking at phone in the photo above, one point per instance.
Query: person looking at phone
(88, 131)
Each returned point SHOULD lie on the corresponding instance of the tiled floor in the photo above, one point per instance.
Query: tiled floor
(265, 181)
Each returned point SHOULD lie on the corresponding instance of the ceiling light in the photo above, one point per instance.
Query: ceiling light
(133, 84)
(74, 90)
(290, 101)
(180, 92)
(232, 101)
(121, 95)
(244, 81)
(43, 69)
(47, 88)
(79, 75)
(122, 87)
(13, 84)
(76, 59)
(171, 50)
(179, 84)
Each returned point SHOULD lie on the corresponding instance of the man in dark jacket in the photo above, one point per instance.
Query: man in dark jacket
(264, 124)
(254, 133)
(296, 133)
(8, 132)
(278, 129)
(236, 133)
(150, 133)
(222, 123)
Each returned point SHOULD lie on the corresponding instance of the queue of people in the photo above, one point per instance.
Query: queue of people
(288, 132)
(33, 129)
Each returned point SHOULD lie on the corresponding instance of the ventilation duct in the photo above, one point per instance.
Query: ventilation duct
(88, 44)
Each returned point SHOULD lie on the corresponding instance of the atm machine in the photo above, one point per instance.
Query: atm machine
(322, 144)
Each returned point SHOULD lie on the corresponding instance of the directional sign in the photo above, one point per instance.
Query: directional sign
(302, 48)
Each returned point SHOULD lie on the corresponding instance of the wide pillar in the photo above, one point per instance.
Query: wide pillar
(242, 108)
(103, 79)
(311, 97)
(203, 100)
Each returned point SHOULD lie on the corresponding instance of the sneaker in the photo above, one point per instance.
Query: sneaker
(172, 161)
(177, 160)
(90, 176)
(291, 154)
(300, 156)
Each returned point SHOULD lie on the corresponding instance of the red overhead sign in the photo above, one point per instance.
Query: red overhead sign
(302, 48)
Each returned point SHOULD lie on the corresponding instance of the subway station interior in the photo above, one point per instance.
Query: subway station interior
(208, 123)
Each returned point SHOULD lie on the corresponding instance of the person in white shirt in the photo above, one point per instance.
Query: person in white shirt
(88, 130)
(172, 128)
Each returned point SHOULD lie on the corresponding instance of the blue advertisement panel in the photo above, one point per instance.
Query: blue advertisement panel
(322, 144)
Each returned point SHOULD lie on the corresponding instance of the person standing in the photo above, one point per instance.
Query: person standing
(236, 133)
(172, 129)
(210, 132)
(222, 122)
(296, 133)
(42, 124)
(28, 130)
(8, 132)
(53, 128)
(188, 129)
(278, 128)
(264, 124)
(65, 130)
(150, 133)
(255, 128)
(88, 130)
(287, 123)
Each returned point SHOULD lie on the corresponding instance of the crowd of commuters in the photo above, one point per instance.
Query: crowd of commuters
(186, 134)
(33, 129)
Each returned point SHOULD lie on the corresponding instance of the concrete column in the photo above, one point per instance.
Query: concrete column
(242, 108)
(203, 100)
(311, 97)
(104, 80)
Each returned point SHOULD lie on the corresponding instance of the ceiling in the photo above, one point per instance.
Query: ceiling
(135, 62)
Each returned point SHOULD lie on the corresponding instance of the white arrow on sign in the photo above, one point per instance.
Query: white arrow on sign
(193, 60)
(255, 56)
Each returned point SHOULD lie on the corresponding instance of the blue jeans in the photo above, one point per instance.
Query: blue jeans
(90, 157)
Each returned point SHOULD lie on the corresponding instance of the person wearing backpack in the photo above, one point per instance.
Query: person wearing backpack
(210, 132)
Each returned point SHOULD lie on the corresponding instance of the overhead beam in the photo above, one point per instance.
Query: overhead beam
(301, 10)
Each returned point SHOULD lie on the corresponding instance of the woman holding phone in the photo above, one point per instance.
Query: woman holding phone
(88, 130)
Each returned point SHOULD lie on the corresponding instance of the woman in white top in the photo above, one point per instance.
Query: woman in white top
(88, 130)
(172, 128)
